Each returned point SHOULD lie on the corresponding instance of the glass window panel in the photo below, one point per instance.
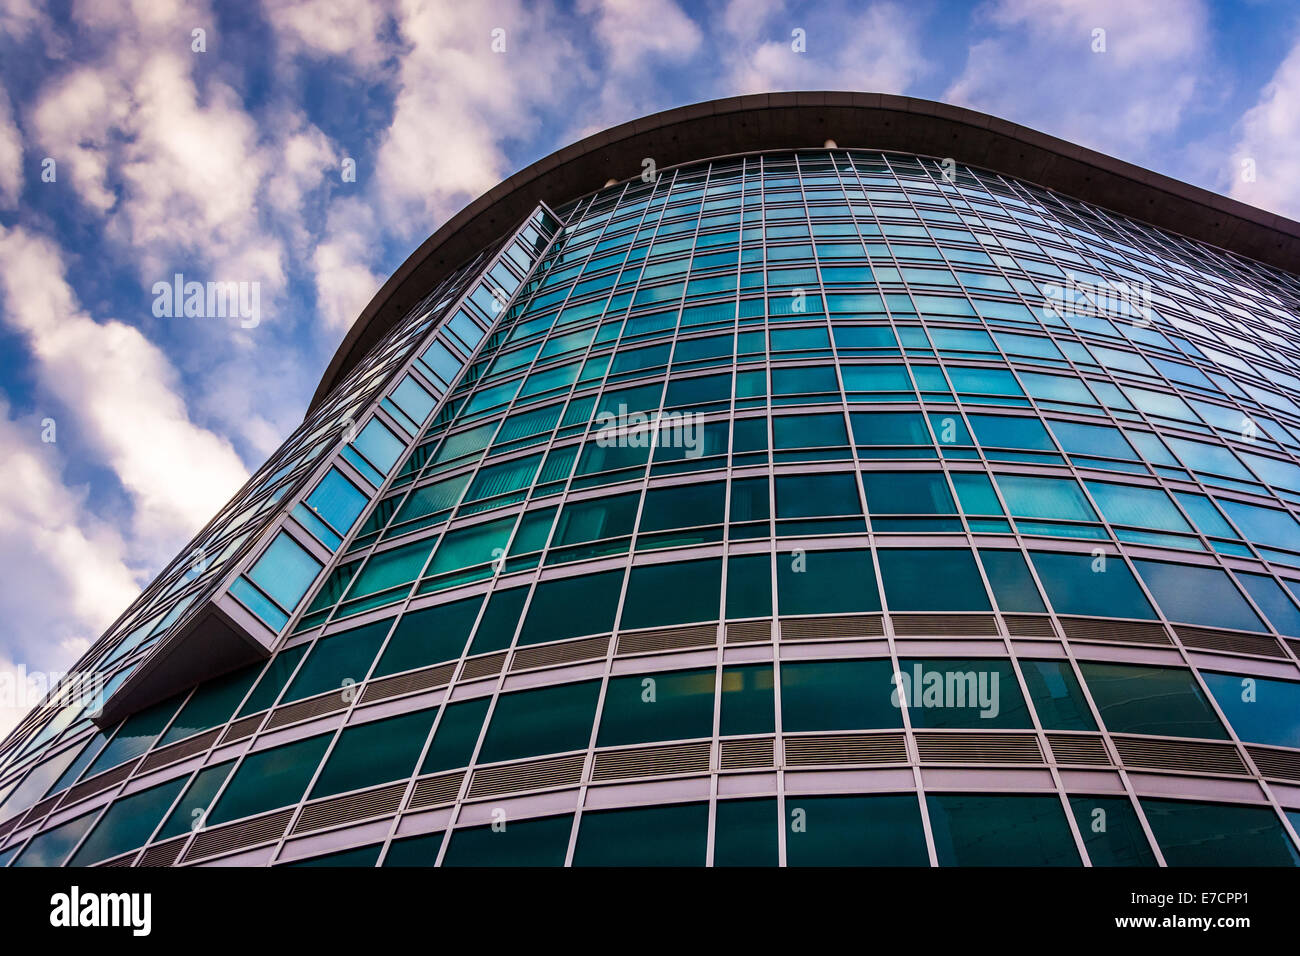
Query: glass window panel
(1215, 834)
(1082, 584)
(674, 705)
(457, 735)
(824, 582)
(908, 492)
(855, 831)
(373, 753)
(1197, 595)
(1137, 699)
(1260, 710)
(675, 835)
(1057, 696)
(543, 842)
(838, 695)
(931, 579)
(1111, 831)
(534, 722)
(679, 593)
(270, 778)
(127, 824)
(572, 607)
(745, 833)
(996, 830)
(429, 636)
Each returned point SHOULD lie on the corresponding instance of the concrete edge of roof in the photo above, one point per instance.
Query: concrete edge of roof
(800, 120)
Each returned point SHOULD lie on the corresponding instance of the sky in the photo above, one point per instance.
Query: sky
(141, 139)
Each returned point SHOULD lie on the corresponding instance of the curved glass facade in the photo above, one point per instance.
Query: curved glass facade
(829, 507)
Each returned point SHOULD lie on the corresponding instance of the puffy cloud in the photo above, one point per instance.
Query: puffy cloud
(632, 30)
(11, 155)
(1269, 132)
(351, 29)
(1038, 67)
(344, 283)
(123, 393)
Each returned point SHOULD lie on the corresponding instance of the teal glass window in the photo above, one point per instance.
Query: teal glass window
(809, 431)
(597, 519)
(211, 705)
(1260, 710)
(52, 847)
(673, 705)
(362, 856)
(838, 695)
(823, 582)
(338, 660)
(855, 831)
(429, 636)
(1057, 696)
(907, 492)
(931, 579)
(456, 735)
(500, 620)
(749, 586)
(675, 835)
(1273, 601)
(571, 607)
(337, 501)
(414, 851)
(543, 842)
(1111, 832)
(380, 751)
(1138, 699)
(889, 428)
(189, 812)
(379, 445)
(1216, 834)
(745, 833)
(285, 572)
(1013, 585)
(127, 824)
(533, 722)
(269, 779)
(1082, 584)
(273, 679)
(996, 830)
(1002, 431)
(135, 735)
(682, 592)
(683, 506)
(1052, 499)
(1197, 595)
(748, 700)
(1138, 506)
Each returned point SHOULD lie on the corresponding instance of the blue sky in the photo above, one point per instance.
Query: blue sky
(224, 164)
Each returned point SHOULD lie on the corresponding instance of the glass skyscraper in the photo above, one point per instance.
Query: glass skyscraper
(774, 503)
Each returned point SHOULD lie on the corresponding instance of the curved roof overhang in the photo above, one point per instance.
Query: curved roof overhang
(774, 121)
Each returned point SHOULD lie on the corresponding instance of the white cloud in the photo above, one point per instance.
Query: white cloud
(66, 572)
(11, 155)
(122, 391)
(1038, 68)
(344, 283)
(351, 29)
(1268, 136)
(633, 30)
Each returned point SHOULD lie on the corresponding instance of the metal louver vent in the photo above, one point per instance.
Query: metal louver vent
(745, 753)
(242, 728)
(1281, 764)
(120, 861)
(1029, 625)
(652, 761)
(328, 703)
(1126, 632)
(239, 836)
(831, 628)
(436, 791)
(1087, 750)
(668, 639)
(41, 809)
(1232, 641)
(180, 750)
(409, 683)
(163, 854)
(564, 652)
(99, 783)
(484, 666)
(332, 811)
(978, 748)
(944, 625)
(749, 632)
(827, 749)
(533, 775)
(1193, 756)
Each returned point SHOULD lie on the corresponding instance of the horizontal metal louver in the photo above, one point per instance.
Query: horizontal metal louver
(831, 628)
(40, 810)
(436, 791)
(329, 703)
(180, 750)
(163, 854)
(749, 632)
(944, 625)
(975, 747)
(563, 652)
(1280, 764)
(399, 684)
(99, 783)
(125, 860)
(532, 775)
(1234, 642)
(1125, 632)
(239, 836)
(652, 761)
(830, 749)
(244, 727)
(1193, 756)
(1029, 625)
(332, 811)
(487, 665)
(746, 752)
(668, 639)
(1087, 750)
